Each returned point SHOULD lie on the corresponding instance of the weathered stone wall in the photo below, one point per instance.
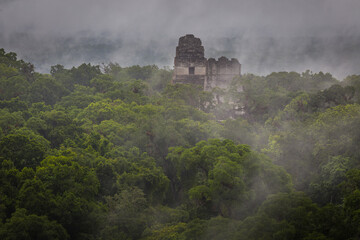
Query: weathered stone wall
(220, 73)
(190, 66)
(190, 63)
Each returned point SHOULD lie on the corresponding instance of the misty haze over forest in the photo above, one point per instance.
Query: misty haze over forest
(265, 36)
(101, 138)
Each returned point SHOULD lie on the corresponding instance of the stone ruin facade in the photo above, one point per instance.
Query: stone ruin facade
(190, 66)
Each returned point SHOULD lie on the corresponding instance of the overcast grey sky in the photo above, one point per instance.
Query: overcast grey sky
(265, 35)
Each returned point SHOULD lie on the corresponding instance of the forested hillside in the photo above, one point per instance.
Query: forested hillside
(111, 152)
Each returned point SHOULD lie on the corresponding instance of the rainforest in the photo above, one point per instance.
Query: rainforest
(111, 152)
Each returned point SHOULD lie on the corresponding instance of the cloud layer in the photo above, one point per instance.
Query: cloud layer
(266, 36)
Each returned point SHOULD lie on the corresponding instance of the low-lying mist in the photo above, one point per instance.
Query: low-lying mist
(259, 55)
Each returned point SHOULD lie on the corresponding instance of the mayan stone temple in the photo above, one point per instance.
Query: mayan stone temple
(190, 66)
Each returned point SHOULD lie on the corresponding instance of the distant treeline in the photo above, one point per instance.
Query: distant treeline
(111, 152)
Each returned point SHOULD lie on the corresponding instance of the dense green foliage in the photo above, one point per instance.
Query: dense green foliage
(120, 153)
